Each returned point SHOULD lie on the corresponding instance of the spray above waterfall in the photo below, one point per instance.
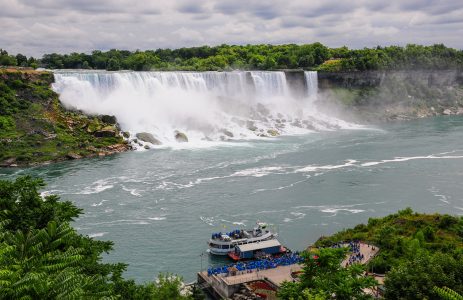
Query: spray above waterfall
(202, 106)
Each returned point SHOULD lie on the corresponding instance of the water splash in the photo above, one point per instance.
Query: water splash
(206, 106)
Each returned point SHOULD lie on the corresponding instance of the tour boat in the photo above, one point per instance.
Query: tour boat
(222, 243)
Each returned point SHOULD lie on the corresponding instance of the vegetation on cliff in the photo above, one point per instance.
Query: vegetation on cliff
(391, 95)
(418, 252)
(254, 57)
(35, 128)
(43, 257)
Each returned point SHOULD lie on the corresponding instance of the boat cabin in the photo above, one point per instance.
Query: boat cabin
(254, 250)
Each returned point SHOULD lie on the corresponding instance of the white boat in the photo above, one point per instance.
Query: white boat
(222, 243)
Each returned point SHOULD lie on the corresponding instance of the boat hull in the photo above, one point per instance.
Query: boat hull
(219, 251)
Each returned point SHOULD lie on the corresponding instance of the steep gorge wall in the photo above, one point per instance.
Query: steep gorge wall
(439, 78)
(390, 95)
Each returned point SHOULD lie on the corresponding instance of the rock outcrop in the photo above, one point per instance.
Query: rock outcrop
(181, 137)
(227, 133)
(148, 137)
(273, 132)
(108, 131)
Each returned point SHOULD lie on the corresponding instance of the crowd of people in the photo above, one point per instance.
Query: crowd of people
(261, 264)
(355, 255)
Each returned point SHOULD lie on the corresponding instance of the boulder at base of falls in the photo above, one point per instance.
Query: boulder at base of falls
(227, 133)
(147, 137)
(447, 112)
(181, 137)
(250, 125)
(273, 132)
(126, 134)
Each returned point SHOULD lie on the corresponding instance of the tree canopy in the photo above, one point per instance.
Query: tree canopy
(315, 56)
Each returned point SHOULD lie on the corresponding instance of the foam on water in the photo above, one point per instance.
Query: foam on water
(209, 107)
(349, 163)
(97, 234)
(157, 218)
(97, 187)
(403, 159)
(99, 203)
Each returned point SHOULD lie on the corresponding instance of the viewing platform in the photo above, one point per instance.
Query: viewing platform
(225, 285)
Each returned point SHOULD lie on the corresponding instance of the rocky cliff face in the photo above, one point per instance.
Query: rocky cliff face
(36, 129)
(390, 95)
(439, 78)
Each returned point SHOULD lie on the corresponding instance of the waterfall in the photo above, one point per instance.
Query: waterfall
(270, 83)
(311, 80)
(206, 106)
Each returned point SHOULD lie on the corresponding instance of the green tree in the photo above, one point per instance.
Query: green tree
(113, 65)
(324, 275)
(40, 265)
(416, 277)
(85, 65)
(21, 60)
(7, 60)
(447, 294)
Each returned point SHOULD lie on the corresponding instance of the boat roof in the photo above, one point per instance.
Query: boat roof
(258, 245)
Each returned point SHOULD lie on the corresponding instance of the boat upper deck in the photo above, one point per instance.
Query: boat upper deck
(241, 237)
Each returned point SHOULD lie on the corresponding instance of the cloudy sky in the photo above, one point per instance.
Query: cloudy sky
(35, 27)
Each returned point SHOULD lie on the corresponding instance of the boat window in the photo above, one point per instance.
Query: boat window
(214, 245)
(225, 247)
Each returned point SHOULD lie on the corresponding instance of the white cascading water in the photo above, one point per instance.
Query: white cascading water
(206, 106)
(311, 79)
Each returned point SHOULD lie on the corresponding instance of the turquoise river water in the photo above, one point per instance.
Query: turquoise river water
(160, 206)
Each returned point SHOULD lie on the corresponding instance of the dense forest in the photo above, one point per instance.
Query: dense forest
(314, 56)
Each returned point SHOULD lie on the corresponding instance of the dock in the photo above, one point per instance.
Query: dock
(223, 286)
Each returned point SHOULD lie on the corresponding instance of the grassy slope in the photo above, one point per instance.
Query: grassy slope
(35, 128)
(393, 233)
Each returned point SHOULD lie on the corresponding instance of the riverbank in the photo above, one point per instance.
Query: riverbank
(36, 129)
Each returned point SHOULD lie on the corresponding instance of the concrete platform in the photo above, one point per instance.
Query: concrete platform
(225, 286)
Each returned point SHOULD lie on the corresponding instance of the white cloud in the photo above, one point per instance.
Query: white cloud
(35, 27)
